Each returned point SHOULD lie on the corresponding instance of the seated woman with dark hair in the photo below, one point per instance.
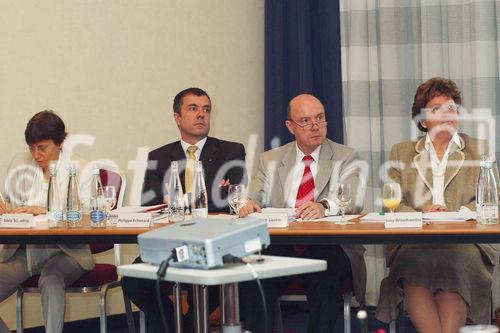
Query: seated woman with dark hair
(443, 285)
(27, 187)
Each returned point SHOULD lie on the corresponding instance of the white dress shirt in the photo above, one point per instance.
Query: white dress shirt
(198, 144)
(439, 166)
(298, 172)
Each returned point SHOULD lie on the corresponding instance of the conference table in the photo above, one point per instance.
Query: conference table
(310, 232)
(306, 232)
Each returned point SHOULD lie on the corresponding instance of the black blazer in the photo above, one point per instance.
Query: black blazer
(215, 156)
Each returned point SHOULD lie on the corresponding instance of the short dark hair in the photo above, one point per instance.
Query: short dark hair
(432, 88)
(45, 125)
(189, 91)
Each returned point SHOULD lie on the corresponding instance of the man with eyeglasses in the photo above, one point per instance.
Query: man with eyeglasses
(300, 175)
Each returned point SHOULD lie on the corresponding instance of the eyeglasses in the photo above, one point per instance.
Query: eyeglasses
(308, 126)
(41, 148)
(441, 108)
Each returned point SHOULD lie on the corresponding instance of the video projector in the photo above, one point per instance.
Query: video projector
(202, 243)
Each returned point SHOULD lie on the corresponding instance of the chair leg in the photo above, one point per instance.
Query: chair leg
(129, 314)
(19, 310)
(142, 322)
(278, 323)
(392, 326)
(102, 309)
(347, 312)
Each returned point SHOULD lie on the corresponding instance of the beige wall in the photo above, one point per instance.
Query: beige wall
(110, 68)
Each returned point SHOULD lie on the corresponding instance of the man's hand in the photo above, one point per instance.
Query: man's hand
(4, 208)
(35, 210)
(310, 211)
(224, 182)
(435, 208)
(250, 207)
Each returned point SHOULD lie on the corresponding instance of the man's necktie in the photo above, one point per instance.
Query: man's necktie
(305, 192)
(188, 175)
(306, 188)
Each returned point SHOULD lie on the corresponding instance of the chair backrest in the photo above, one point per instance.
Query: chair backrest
(114, 178)
(111, 178)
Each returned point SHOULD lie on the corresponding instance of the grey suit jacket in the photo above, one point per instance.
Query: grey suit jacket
(337, 163)
(24, 168)
(412, 170)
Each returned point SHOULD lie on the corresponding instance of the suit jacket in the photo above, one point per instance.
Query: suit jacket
(337, 163)
(25, 180)
(411, 168)
(220, 159)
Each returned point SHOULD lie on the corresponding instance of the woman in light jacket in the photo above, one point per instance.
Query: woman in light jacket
(443, 285)
(26, 186)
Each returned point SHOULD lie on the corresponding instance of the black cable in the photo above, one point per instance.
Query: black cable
(228, 258)
(162, 270)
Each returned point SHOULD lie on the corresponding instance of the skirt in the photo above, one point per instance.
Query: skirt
(456, 268)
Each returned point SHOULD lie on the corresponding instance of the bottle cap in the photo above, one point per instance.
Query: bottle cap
(53, 168)
(486, 162)
(73, 165)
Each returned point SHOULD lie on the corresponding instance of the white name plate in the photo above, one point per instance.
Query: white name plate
(133, 220)
(17, 221)
(274, 220)
(403, 220)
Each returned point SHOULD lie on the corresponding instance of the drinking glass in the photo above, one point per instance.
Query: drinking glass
(109, 198)
(342, 197)
(236, 198)
(391, 196)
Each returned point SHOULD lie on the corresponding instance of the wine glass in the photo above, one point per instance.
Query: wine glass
(236, 198)
(391, 196)
(342, 197)
(109, 198)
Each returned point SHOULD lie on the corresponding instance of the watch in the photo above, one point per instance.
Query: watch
(325, 204)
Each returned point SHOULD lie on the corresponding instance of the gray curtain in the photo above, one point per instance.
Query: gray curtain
(388, 49)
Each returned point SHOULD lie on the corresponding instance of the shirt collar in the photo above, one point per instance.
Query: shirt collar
(454, 139)
(314, 154)
(198, 144)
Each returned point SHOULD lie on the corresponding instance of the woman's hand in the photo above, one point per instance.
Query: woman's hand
(435, 208)
(35, 210)
(4, 208)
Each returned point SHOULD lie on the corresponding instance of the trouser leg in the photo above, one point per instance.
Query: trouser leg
(142, 293)
(12, 274)
(57, 273)
(324, 289)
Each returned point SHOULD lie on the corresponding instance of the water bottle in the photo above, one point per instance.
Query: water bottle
(55, 210)
(97, 214)
(486, 193)
(73, 204)
(175, 195)
(199, 202)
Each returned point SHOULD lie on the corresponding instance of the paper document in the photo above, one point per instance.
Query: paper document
(290, 212)
(338, 218)
(373, 217)
(450, 216)
(139, 209)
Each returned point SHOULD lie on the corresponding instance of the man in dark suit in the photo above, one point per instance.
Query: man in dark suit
(223, 163)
